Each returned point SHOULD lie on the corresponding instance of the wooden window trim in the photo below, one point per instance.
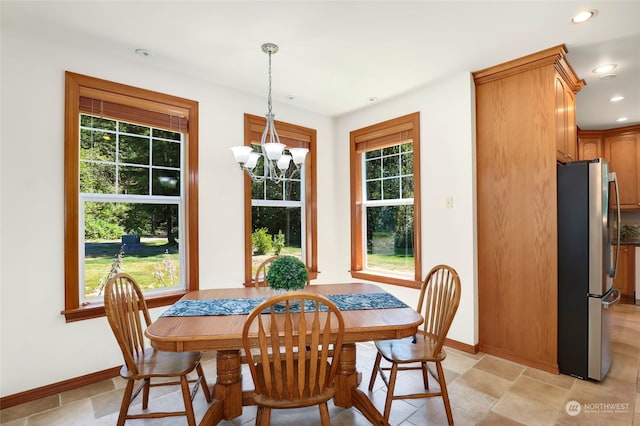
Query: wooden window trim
(292, 136)
(381, 135)
(78, 86)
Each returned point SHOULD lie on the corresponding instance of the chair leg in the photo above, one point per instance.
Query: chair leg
(263, 416)
(203, 383)
(425, 375)
(126, 400)
(145, 393)
(374, 372)
(390, 389)
(445, 394)
(186, 397)
(324, 414)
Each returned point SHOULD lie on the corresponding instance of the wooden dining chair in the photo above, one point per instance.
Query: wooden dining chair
(439, 297)
(128, 316)
(260, 278)
(291, 364)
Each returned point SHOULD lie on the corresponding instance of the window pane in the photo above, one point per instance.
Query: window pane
(391, 150)
(374, 190)
(133, 180)
(273, 221)
(257, 190)
(134, 129)
(407, 187)
(139, 239)
(166, 134)
(407, 163)
(97, 123)
(390, 239)
(166, 153)
(274, 190)
(373, 154)
(292, 190)
(391, 188)
(391, 166)
(97, 145)
(373, 168)
(134, 150)
(97, 178)
(166, 182)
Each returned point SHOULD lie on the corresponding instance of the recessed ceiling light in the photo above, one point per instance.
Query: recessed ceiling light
(616, 98)
(603, 69)
(608, 77)
(584, 16)
(621, 119)
(143, 52)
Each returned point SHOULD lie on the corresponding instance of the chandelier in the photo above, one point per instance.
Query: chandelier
(272, 152)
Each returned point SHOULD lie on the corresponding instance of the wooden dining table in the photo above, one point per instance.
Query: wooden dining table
(223, 334)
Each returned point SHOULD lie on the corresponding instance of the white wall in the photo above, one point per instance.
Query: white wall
(37, 347)
(447, 166)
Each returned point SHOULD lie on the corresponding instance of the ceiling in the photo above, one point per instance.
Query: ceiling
(336, 56)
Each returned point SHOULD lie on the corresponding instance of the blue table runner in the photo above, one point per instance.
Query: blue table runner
(242, 306)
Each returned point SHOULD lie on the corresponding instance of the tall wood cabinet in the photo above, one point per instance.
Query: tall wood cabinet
(525, 115)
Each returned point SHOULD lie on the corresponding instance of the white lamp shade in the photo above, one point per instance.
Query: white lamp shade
(241, 153)
(283, 162)
(298, 155)
(252, 161)
(273, 150)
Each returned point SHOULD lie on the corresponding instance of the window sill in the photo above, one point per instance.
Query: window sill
(96, 310)
(386, 279)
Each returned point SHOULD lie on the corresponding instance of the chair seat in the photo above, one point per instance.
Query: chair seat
(308, 398)
(162, 364)
(404, 351)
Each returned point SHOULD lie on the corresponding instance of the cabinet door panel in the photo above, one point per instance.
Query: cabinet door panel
(623, 154)
(589, 148)
(571, 143)
(561, 121)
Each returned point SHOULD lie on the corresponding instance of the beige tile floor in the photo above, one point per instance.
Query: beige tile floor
(484, 390)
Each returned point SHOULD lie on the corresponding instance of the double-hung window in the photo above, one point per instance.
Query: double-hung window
(385, 202)
(280, 217)
(131, 193)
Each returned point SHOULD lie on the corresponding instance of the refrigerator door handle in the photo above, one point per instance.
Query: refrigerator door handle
(606, 304)
(613, 178)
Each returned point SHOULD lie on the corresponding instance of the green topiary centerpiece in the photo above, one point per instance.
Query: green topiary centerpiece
(287, 273)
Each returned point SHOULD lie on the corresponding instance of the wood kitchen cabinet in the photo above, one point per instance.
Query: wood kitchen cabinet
(566, 131)
(519, 132)
(622, 150)
(590, 145)
(625, 276)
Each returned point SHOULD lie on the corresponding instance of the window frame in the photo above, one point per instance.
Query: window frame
(293, 136)
(77, 86)
(381, 135)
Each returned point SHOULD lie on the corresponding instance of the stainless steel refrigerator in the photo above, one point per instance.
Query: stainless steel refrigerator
(586, 267)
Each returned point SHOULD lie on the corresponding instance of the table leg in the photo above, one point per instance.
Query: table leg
(228, 388)
(347, 393)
